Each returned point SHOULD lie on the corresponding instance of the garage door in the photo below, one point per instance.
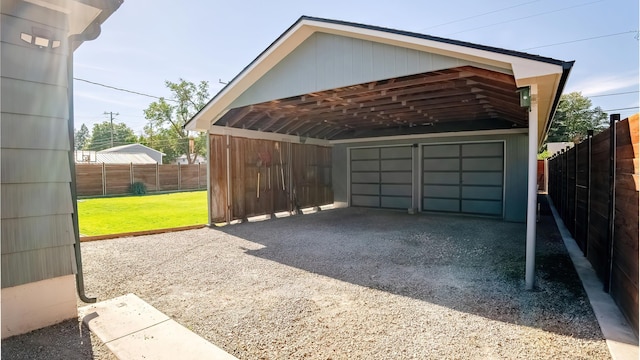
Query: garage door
(463, 178)
(381, 177)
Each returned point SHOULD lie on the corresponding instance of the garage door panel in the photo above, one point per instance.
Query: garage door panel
(482, 192)
(482, 164)
(395, 178)
(365, 189)
(484, 207)
(482, 149)
(396, 152)
(365, 165)
(441, 178)
(448, 205)
(441, 151)
(368, 201)
(365, 154)
(482, 178)
(395, 202)
(397, 190)
(444, 191)
(396, 165)
(365, 177)
(382, 177)
(441, 164)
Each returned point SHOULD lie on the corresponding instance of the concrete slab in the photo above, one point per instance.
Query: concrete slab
(622, 342)
(133, 329)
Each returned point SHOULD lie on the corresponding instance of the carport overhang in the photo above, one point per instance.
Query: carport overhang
(478, 91)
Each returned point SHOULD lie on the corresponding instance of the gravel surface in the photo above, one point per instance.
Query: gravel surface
(355, 283)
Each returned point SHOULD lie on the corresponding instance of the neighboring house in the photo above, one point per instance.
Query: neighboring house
(556, 147)
(382, 118)
(99, 157)
(39, 233)
(182, 159)
(135, 149)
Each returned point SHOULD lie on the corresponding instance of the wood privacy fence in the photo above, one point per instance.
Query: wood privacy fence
(115, 179)
(252, 177)
(595, 187)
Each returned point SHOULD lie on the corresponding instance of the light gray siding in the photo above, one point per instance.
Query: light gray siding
(515, 173)
(326, 61)
(36, 228)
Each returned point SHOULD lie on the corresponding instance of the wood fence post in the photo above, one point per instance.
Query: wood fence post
(104, 179)
(157, 177)
(179, 178)
(612, 196)
(575, 191)
(198, 176)
(130, 173)
(588, 230)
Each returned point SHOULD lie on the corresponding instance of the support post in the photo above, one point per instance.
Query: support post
(613, 118)
(589, 150)
(532, 191)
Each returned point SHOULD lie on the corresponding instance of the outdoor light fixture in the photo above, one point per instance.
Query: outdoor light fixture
(525, 96)
(40, 38)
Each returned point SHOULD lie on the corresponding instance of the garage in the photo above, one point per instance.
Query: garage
(396, 120)
(463, 178)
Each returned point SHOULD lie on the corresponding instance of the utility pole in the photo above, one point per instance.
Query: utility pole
(111, 114)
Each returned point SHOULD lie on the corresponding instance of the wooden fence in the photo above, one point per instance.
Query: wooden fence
(115, 179)
(595, 187)
(256, 177)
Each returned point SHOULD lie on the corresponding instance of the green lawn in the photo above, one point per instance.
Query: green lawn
(138, 213)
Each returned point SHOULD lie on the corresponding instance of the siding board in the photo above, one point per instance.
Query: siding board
(35, 265)
(18, 131)
(34, 166)
(26, 200)
(31, 233)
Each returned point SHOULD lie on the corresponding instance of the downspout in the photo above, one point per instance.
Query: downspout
(90, 33)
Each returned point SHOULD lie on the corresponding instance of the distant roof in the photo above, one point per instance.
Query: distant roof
(124, 158)
(124, 148)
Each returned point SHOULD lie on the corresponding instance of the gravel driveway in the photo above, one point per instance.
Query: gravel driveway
(357, 283)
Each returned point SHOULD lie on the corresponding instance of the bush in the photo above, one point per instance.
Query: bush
(138, 188)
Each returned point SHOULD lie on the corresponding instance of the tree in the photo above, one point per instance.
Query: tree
(81, 137)
(101, 136)
(574, 117)
(168, 119)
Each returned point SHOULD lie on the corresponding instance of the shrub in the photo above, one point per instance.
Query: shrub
(138, 188)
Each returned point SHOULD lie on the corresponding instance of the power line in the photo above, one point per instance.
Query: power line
(479, 15)
(620, 93)
(579, 40)
(526, 17)
(124, 90)
(627, 108)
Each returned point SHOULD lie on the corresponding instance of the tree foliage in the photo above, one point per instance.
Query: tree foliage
(101, 136)
(81, 137)
(574, 117)
(167, 120)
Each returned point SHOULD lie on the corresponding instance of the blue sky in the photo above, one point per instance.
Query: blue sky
(147, 42)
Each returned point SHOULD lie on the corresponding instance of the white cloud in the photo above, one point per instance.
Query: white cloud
(605, 84)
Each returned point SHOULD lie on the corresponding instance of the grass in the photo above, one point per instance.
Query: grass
(139, 213)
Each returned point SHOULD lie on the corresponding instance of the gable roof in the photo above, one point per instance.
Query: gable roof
(124, 158)
(129, 148)
(525, 68)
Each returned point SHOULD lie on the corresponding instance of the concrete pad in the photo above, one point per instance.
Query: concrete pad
(133, 329)
(622, 342)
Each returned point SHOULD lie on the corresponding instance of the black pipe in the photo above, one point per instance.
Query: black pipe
(90, 33)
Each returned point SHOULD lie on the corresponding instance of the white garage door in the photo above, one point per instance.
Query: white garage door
(382, 177)
(463, 178)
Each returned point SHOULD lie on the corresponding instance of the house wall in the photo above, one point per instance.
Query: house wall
(326, 61)
(36, 230)
(137, 149)
(515, 167)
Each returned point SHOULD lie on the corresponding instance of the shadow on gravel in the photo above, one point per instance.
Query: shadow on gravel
(66, 340)
(469, 264)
